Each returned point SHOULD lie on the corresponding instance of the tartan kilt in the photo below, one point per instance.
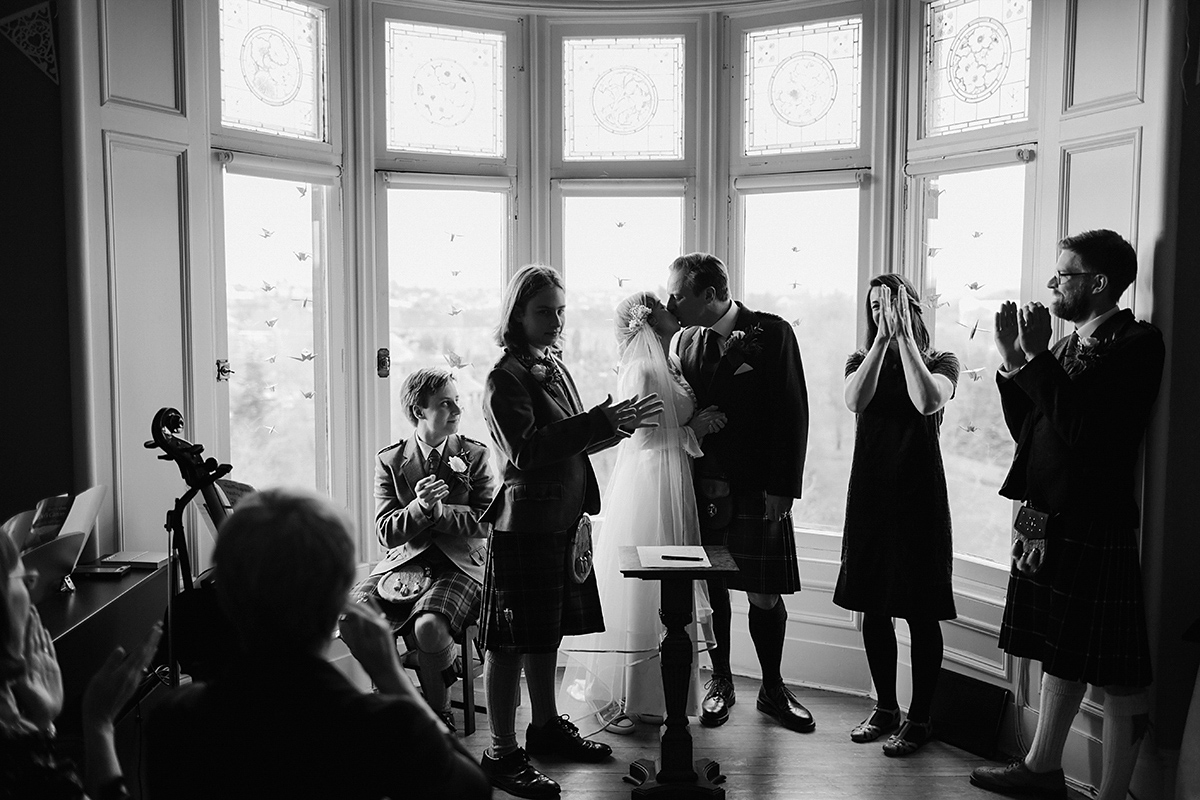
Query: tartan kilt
(764, 551)
(529, 601)
(1082, 613)
(453, 594)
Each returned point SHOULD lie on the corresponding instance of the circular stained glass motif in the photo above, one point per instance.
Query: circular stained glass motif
(271, 65)
(803, 88)
(978, 59)
(624, 100)
(443, 92)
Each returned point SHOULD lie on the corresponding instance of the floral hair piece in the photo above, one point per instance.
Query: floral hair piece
(638, 316)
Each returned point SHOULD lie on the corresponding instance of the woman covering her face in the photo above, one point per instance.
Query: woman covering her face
(897, 554)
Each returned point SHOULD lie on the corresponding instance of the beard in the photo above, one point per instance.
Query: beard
(1067, 307)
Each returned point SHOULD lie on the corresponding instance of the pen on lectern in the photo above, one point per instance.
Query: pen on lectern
(682, 558)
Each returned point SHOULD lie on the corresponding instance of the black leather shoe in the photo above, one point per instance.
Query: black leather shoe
(781, 704)
(714, 709)
(1016, 778)
(514, 774)
(448, 718)
(561, 738)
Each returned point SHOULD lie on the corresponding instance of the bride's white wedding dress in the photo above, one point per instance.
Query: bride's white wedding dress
(649, 501)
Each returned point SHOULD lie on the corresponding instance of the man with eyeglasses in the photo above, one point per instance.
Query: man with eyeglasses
(1078, 411)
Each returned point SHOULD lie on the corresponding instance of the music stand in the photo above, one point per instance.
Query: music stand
(678, 777)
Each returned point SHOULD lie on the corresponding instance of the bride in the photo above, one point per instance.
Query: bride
(614, 678)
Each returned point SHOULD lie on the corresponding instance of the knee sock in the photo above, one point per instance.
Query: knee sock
(502, 685)
(433, 684)
(1059, 705)
(768, 626)
(879, 640)
(540, 679)
(926, 665)
(722, 614)
(1125, 722)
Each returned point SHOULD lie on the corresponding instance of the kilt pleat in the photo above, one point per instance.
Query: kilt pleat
(1082, 614)
(764, 551)
(453, 594)
(529, 602)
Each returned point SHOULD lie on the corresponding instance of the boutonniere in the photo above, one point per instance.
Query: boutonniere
(1090, 350)
(741, 345)
(543, 369)
(459, 465)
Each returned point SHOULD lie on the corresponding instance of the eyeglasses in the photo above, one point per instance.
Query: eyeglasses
(1062, 276)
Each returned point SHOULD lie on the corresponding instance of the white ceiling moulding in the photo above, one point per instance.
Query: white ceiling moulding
(585, 6)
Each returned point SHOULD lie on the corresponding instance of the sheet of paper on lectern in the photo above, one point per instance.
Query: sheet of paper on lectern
(674, 556)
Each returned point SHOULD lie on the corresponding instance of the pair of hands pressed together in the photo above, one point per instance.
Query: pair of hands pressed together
(430, 493)
(1021, 334)
(896, 320)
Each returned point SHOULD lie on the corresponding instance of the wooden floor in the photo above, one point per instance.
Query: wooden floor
(764, 761)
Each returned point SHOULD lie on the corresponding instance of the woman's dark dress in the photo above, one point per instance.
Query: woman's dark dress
(897, 555)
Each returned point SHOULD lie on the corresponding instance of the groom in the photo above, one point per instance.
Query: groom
(746, 363)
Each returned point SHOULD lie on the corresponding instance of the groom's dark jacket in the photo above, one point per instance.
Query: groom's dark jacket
(765, 438)
(1078, 415)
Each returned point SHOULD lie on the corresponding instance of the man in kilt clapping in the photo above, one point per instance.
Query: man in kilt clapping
(1078, 411)
(747, 363)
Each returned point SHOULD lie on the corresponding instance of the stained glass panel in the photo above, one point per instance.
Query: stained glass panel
(623, 99)
(273, 70)
(445, 90)
(803, 88)
(972, 250)
(275, 311)
(976, 64)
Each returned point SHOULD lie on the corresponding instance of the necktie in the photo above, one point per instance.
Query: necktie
(432, 462)
(1070, 356)
(710, 354)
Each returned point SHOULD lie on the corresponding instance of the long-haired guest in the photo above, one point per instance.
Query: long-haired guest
(535, 591)
(31, 697)
(897, 555)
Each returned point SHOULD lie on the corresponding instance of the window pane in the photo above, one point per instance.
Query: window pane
(802, 264)
(275, 310)
(446, 262)
(623, 99)
(445, 90)
(273, 77)
(803, 87)
(974, 229)
(612, 247)
(976, 64)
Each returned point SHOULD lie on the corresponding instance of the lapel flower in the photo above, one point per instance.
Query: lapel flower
(1088, 351)
(543, 369)
(457, 464)
(741, 345)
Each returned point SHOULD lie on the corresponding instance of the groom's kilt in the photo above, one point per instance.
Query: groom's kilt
(764, 551)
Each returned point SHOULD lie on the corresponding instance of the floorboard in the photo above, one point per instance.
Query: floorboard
(763, 761)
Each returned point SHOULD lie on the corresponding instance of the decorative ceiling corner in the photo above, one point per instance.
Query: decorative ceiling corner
(32, 31)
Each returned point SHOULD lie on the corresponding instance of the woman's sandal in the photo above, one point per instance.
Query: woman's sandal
(911, 737)
(880, 722)
(621, 725)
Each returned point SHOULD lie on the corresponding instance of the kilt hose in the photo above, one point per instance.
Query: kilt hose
(453, 594)
(1082, 614)
(529, 601)
(764, 551)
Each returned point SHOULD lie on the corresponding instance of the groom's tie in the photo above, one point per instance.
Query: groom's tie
(432, 462)
(710, 356)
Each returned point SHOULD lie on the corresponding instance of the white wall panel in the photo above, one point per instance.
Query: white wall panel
(1100, 181)
(141, 54)
(146, 187)
(1106, 50)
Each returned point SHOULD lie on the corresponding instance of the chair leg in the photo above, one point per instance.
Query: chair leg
(466, 646)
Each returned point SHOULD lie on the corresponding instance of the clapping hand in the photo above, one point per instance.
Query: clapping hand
(636, 412)
(430, 492)
(1033, 330)
(902, 320)
(887, 316)
(39, 691)
(1005, 335)
(117, 679)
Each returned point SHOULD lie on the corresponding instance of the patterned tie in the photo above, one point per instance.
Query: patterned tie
(1070, 356)
(710, 354)
(432, 462)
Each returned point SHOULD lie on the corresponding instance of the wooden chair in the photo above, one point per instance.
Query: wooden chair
(471, 657)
